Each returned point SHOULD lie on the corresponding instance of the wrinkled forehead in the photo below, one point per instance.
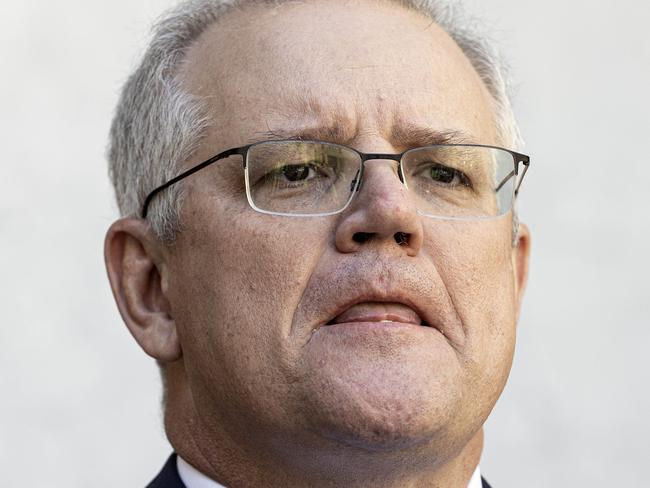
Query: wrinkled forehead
(339, 70)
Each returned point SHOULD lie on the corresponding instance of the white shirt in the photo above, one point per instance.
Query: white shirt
(192, 478)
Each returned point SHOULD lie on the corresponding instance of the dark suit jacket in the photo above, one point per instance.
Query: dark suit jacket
(169, 478)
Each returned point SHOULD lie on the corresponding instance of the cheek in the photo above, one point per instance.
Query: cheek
(475, 264)
(241, 277)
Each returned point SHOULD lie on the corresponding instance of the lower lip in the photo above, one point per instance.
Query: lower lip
(375, 326)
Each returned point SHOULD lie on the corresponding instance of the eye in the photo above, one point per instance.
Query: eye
(447, 176)
(294, 175)
(297, 172)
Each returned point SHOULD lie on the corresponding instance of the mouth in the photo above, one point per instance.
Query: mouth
(385, 314)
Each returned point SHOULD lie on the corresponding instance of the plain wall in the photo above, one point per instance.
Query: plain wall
(79, 402)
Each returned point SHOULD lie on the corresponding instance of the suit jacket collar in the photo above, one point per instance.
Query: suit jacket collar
(168, 476)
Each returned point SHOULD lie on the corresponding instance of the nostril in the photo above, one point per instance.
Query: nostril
(402, 238)
(361, 237)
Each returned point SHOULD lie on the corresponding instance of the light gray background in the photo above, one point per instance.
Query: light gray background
(79, 401)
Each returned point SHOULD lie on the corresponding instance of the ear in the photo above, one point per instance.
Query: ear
(136, 268)
(520, 255)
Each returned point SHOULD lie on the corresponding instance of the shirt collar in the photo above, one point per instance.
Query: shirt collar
(475, 480)
(193, 478)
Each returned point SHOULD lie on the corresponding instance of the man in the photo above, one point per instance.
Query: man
(318, 242)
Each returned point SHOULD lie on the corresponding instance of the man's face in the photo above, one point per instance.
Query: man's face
(326, 331)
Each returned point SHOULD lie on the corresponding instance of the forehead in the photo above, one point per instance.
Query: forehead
(352, 68)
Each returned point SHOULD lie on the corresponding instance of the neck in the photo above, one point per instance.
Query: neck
(237, 458)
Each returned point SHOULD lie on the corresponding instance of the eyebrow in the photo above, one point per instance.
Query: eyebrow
(403, 136)
(329, 133)
(408, 135)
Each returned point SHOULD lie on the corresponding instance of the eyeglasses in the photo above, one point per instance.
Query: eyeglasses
(314, 178)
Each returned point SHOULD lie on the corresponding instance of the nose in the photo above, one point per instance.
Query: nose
(381, 214)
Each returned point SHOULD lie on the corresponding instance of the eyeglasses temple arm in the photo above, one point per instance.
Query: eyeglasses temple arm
(504, 181)
(189, 172)
(526, 164)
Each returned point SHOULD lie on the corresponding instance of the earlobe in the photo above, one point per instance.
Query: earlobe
(520, 255)
(134, 261)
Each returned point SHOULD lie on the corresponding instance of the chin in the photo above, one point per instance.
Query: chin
(382, 412)
(387, 392)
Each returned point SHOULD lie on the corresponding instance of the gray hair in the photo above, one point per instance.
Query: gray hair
(158, 125)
